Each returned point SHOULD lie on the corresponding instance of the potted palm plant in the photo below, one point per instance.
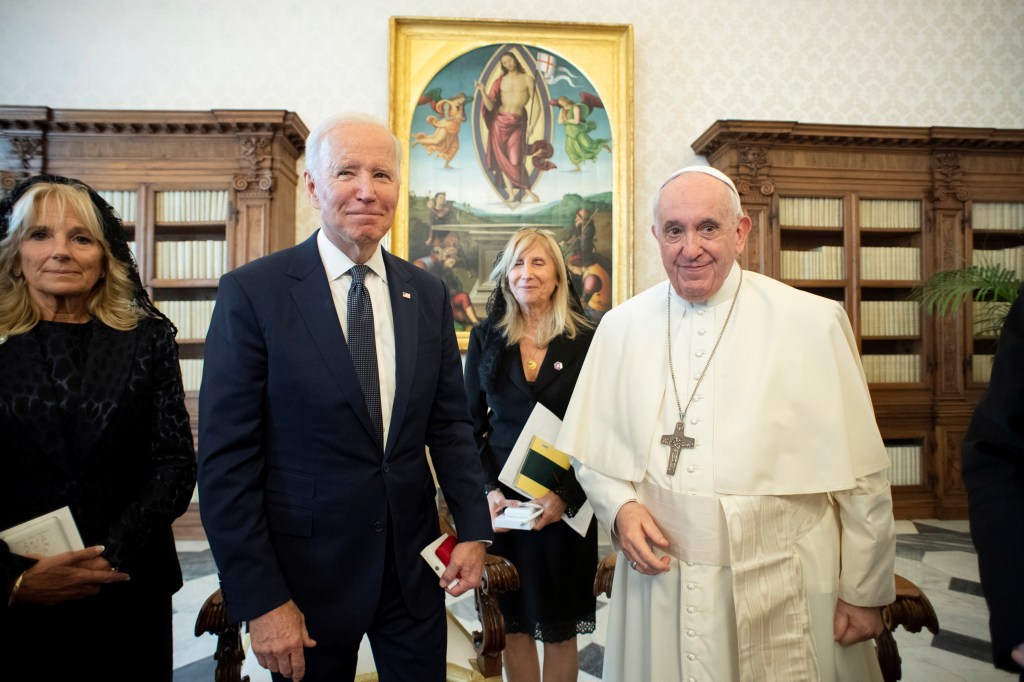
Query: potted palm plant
(993, 285)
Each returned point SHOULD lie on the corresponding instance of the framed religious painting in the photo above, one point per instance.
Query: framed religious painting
(509, 125)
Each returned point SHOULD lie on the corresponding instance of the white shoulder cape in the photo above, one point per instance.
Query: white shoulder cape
(792, 410)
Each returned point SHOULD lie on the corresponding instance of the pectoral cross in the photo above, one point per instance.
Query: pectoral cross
(676, 442)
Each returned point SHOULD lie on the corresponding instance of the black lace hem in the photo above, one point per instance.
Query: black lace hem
(551, 632)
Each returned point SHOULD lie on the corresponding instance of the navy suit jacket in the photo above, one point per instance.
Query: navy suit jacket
(295, 493)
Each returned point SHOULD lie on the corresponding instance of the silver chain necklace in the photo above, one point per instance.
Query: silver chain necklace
(677, 440)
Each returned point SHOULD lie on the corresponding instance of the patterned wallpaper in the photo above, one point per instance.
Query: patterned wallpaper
(883, 62)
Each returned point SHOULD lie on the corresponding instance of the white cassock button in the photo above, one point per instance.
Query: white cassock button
(694, 420)
(702, 311)
(691, 679)
(691, 586)
(700, 332)
(691, 657)
(691, 609)
(691, 633)
(699, 354)
(690, 469)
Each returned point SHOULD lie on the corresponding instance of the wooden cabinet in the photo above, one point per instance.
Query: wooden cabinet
(863, 214)
(200, 192)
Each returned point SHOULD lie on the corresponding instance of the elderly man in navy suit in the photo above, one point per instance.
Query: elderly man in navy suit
(330, 368)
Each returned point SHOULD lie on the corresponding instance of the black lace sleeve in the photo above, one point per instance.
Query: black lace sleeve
(172, 457)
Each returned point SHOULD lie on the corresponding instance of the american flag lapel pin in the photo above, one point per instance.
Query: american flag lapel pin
(406, 294)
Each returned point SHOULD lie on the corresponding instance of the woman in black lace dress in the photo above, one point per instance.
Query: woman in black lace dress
(92, 417)
(530, 350)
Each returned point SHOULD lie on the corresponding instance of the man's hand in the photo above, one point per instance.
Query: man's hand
(278, 638)
(68, 575)
(637, 532)
(1018, 654)
(854, 624)
(467, 559)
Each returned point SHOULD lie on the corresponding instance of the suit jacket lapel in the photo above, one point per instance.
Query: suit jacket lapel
(312, 295)
(111, 354)
(405, 312)
(561, 351)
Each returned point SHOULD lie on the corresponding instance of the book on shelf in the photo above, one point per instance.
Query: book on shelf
(892, 369)
(1011, 258)
(192, 318)
(810, 212)
(193, 259)
(122, 201)
(890, 262)
(890, 318)
(905, 464)
(191, 373)
(191, 206)
(890, 214)
(997, 216)
(823, 262)
(981, 367)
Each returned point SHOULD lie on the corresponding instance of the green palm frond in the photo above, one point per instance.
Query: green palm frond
(945, 291)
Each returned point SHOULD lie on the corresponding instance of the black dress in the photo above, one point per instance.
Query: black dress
(556, 566)
(95, 419)
(993, 470)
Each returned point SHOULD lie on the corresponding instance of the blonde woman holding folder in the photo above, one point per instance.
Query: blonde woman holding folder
(529, 351)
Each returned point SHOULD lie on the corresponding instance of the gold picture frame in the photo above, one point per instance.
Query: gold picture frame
(506, 124)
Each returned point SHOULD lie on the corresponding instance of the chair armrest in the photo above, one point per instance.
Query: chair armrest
(605, 574)
(499, 576)
(213, 618)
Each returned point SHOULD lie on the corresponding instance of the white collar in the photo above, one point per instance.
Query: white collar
(337, 263)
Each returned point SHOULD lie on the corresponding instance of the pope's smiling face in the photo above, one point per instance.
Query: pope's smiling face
(699, 233)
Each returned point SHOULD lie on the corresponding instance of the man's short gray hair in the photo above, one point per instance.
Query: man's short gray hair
(315, 140)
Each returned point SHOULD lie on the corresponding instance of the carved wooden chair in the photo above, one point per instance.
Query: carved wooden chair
(487, 644)
(911, 609)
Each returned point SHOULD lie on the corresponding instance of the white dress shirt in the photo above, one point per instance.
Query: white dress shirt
(337, 265)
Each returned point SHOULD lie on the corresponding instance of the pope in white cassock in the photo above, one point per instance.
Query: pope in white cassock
(723, 430)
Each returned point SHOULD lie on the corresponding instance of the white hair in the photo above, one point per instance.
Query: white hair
(315, 140)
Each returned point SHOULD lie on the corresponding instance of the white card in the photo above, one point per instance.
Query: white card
(44, 535)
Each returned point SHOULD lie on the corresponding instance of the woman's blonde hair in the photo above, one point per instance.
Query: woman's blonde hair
(564, 318)
(111, 300)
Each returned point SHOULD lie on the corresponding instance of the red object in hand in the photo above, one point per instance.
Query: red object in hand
(438, 554)
(444, 550)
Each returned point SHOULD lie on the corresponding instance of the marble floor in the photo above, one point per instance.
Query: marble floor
(936, 555)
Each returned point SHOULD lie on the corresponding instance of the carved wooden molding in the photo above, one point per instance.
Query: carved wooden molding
(754, 170)
(770, 133)
(251, 123)
(947, 177)
(26, 149)
(255, 174)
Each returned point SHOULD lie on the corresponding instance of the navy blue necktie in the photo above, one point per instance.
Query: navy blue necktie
(363, 347)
